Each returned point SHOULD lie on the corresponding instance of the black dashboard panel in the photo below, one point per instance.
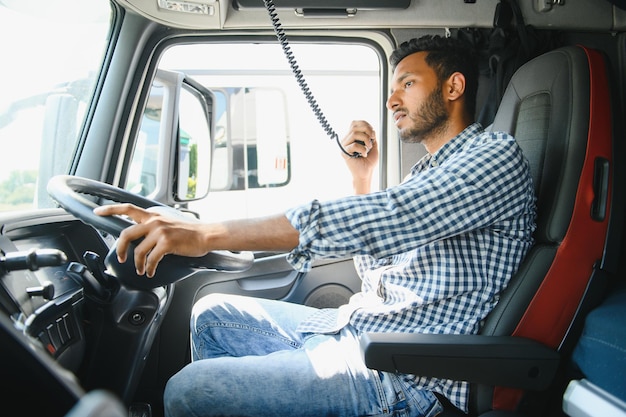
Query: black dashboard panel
(57, 296)
(45, 302)
(50, 230)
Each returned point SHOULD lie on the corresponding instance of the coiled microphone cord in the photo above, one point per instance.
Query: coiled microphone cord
(284, 43)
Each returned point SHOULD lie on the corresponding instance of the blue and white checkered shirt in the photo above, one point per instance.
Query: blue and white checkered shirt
(433, 252)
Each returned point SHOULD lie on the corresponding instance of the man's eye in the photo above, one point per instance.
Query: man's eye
(408, 84)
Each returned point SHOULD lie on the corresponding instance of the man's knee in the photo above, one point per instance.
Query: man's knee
(179, 394)
(201, 388)
(207, 302)
(211, 307)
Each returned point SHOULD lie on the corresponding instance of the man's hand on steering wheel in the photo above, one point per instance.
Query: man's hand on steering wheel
(158, 235)
(82, 196)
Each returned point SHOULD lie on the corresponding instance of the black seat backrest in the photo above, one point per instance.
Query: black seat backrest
(558, 108)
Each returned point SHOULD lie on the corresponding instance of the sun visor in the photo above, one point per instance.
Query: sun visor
(325, 4)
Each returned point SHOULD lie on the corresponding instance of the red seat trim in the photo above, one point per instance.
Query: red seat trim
(552, 309)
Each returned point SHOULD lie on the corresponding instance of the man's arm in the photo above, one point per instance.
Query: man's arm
(162, 235)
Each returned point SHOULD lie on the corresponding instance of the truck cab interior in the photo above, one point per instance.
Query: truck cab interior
(217, 109)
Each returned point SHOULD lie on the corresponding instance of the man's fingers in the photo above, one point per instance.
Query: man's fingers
(148, 253)
(360, 138)
(126, 209)
(362, 129)
(152, 261)
(358, 142)
(127, 236)
(141, 252)
(149, 233)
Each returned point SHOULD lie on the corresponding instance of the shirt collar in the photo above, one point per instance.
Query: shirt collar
(449, 148)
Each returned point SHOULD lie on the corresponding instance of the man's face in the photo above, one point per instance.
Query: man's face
(416, 101)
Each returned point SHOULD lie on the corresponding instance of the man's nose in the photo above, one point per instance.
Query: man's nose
(393, 101)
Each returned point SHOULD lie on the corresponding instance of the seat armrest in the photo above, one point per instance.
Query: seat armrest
(493, 360)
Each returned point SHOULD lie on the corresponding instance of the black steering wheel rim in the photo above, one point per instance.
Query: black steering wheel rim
(71, 192)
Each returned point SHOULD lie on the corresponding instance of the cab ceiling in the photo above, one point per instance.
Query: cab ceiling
(592, 15)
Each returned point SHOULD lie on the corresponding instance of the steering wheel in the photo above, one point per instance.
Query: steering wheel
(70, 193)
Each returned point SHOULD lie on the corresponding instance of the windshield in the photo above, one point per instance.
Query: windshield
(52, 51)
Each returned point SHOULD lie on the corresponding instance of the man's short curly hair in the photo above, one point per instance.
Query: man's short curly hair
(445, 55)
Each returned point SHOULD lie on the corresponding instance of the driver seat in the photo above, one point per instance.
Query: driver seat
(558, 108)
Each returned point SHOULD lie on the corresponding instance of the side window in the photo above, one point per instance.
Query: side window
(51, 60)
(270, 152)
(143, 167)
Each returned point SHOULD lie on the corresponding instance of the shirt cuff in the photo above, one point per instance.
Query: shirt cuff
(304, 219)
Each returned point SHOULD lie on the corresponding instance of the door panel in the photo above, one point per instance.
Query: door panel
(328, 284)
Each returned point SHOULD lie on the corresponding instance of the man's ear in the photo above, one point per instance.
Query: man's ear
(455, 86)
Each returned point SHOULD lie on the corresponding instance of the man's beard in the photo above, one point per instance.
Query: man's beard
(429, 119)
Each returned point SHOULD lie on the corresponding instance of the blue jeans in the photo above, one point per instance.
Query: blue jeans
(248, 360)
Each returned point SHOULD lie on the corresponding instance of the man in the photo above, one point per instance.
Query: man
(433, 254)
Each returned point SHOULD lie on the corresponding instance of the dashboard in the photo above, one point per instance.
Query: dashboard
(41, 286)
(58, 301)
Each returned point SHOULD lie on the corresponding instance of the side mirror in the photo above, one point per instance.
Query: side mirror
(172, 157)
(195, 141)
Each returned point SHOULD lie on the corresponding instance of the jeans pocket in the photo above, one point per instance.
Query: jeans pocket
(414, 403)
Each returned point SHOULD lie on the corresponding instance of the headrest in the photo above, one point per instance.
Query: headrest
(546, 108)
